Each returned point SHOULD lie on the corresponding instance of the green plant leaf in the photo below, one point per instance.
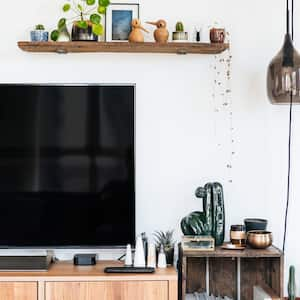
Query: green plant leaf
(102, 10)
(82, 24)
(90, 2)
(80, 7)
(95, 18)
(54, 35)
(66, 7)
(98, 29)
(61, 23)
(104, 3)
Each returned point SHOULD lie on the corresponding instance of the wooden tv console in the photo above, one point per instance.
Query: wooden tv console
(64, 281)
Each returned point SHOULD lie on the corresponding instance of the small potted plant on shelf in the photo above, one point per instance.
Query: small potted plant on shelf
(39, 34)
(166, 240)
(180, 35)
(86, 24)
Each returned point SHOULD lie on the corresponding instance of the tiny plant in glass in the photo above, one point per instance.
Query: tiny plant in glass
(86, 13)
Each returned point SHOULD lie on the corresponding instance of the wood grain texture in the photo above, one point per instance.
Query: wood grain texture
(223, 277)
(66, 271)
(248, 252)
(173, 290)
(119, 47)
(18, 291)
(150, 290)
(196, 275)
(260, 272)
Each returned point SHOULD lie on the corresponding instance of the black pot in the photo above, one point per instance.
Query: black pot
(80, 34)
(170, 256)
(255, 224)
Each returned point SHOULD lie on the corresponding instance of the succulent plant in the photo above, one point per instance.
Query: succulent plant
(179, 27)
(164, 239)
(87, 13)
(39, 27)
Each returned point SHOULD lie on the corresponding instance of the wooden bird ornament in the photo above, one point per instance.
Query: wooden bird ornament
(161, 34)
(136, 35)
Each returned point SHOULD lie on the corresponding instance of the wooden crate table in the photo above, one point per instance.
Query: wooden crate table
(231, 273)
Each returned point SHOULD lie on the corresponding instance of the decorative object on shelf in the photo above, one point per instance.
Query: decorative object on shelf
(118, 21)
(212, 220)
(139, 257)
(259, 239)
(63, 35)
(151, 259)
(255, 224)
(162, 261)
(283, 85)
(166, 240)
(230, 246)
(292, 284)
(161, 34)
(145, 244)
(180, 34)
(87, 26)
(136, 35)
(128, 258)
(198, 243)
(238, 235)
(39, 34)
(198, 34)
(217, 35)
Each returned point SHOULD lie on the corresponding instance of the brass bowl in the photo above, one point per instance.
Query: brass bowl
(259, 239)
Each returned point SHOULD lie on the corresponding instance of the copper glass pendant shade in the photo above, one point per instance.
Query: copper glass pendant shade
(283, 79)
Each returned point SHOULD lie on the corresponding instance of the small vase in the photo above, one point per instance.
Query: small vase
(170, 256)
(39, 36)
(217, 35)
(81, 34)
(64, 35)
(180, 36)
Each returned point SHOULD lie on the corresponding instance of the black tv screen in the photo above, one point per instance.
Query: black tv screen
(67, 165)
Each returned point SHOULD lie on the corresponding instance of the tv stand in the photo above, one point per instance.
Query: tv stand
(69, 282)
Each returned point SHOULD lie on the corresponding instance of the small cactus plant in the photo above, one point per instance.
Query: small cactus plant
(291, 285)
(179, 27)
(39, 27)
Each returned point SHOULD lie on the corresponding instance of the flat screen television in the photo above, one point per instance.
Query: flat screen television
(67, 165)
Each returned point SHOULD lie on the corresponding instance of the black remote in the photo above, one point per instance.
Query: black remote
(132, 270)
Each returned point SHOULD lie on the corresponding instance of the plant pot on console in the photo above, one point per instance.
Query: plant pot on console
(83, 31)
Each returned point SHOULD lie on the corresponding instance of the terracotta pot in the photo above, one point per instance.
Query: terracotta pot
(81, 34)
(217, 35)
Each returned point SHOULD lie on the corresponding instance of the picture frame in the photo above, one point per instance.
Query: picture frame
(118, 21)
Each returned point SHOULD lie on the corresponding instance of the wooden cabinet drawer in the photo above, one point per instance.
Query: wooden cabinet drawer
(18, 290)
(130, 290)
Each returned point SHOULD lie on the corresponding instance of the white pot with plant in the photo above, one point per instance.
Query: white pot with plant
(165, 240)
(180, 35)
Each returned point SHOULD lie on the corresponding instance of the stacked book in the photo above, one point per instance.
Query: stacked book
(204, 296)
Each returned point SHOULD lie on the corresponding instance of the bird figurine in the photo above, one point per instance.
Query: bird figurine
(136, 35)
(161, 34)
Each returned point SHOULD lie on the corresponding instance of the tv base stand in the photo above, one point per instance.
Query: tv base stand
(69, 282)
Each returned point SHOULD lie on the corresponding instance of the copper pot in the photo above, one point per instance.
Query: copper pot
(259, 239)
(217, 35)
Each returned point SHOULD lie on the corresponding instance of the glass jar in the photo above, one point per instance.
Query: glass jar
(238, 235)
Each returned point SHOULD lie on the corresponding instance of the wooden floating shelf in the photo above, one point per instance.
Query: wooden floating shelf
(123, 47)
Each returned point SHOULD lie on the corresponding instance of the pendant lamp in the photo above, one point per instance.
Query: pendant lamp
(283, 79)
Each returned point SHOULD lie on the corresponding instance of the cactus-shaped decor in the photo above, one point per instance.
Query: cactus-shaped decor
(212, 220)
(179, 27)
(291, 284)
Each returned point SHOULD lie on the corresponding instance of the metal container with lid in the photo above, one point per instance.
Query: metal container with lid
(238, 235)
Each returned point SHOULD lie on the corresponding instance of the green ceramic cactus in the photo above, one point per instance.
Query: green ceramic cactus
(212, 220)
(291, 284)
(179, 27)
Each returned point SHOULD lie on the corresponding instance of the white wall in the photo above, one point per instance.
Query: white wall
(176, 138)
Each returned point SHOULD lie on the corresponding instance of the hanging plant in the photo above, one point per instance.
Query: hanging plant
(86, 20)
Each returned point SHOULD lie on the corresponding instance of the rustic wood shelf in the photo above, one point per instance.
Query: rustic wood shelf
(123, 47)
(231, 273)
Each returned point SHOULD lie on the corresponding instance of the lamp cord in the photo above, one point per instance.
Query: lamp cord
(290, 138)
(289, 171)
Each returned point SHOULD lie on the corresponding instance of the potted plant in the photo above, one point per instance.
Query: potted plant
(165, 239)
(180, 34)
(39, 34)
(86, 24)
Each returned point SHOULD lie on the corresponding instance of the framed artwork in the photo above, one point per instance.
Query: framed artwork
(118, 21)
